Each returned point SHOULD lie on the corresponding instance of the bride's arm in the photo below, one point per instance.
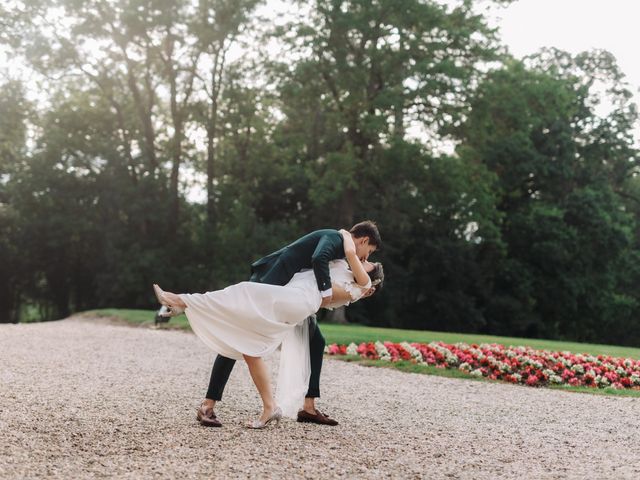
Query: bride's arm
(340, 295)
(359, 273)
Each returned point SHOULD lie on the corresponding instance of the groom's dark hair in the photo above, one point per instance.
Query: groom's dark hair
(367, 229)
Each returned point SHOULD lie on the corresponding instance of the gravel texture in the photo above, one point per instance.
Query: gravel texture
(82, 398)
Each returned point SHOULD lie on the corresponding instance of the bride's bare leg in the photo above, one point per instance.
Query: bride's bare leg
(262, 380)
(174, 300)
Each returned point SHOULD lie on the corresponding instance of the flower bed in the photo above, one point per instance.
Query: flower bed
(522, 365)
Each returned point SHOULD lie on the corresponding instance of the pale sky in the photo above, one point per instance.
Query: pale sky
(576, 26)
(526, 26)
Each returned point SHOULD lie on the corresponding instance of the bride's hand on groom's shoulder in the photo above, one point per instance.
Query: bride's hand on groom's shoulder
(347, 239)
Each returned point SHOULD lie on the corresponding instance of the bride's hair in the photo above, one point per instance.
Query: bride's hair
(377, 276)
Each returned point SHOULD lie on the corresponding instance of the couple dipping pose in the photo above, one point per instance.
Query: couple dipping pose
(323, 269)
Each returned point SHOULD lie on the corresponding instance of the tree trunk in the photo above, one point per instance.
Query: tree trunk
(212, 127)
(339, 315)
(176, 147)
(347, 209)
(211, 157)
(144, 114)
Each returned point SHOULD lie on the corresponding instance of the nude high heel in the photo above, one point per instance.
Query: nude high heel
(170, 310)
(276, 416)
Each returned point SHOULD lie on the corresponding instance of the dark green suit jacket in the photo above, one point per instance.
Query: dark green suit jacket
(315, 250)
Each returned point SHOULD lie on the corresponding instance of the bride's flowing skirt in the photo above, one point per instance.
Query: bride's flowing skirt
(254, 319)
(295, 370)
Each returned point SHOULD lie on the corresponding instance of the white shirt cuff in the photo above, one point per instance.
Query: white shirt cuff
(326, 293)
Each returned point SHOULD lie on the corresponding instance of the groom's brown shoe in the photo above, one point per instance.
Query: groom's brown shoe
(318, 417)
(207, 418)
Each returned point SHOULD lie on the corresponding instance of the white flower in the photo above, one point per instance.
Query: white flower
(476, 373)
(555, 379)
(465, 367)
(382, 351)
(414, 352)
(577, 368)
(352, 349)
(450, 358)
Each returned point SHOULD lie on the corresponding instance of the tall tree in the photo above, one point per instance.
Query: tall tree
(367, 72)
(219, 24)
(146, 57)
(559, 167)
(14, 115)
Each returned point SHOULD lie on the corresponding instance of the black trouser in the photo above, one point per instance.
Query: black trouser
(222, 366)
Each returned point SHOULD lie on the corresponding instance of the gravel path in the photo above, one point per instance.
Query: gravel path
(87, 399)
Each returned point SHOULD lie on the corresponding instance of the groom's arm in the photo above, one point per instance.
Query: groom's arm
(327, 249)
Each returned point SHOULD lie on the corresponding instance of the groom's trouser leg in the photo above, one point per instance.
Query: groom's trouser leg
(219, 376)
(316, 352)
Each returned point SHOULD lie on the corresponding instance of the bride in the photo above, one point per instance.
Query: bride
(250, 320)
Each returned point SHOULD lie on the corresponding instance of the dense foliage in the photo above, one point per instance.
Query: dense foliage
(528, 227)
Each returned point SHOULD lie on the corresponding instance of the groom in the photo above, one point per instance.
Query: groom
(314, 250)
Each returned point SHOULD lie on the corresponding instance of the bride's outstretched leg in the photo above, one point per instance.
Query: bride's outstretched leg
(262, 380)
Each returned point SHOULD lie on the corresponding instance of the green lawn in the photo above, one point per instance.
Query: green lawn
(140, 317)
(345, 334)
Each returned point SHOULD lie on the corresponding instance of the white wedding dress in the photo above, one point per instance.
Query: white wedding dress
(255, 318)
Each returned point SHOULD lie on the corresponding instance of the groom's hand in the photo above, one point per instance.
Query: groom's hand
(369, 292)
(326, 301)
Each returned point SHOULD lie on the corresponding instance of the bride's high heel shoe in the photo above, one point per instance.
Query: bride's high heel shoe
(170, 310)
(276, 416)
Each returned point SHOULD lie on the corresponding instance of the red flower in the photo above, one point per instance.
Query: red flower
(567, 374)
(490, 354)
(532, 380)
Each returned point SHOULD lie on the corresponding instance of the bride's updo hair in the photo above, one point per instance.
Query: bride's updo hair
(377, 276)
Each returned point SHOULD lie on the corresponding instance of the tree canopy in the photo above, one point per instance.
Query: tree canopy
(527, 227)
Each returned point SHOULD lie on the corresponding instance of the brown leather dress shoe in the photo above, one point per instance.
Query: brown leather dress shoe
(207, 418)
(319, 418)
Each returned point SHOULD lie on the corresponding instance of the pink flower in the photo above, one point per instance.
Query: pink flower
(611, 376)
(512, 364)
(567, 374)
